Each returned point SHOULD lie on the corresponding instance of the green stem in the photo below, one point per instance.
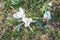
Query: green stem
(31, 29)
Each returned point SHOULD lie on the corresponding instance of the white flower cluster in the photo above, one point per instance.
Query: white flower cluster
(27, 21)
(21, 14)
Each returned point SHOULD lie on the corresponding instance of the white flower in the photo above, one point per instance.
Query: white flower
(50, 3)
(19, 14)
(47, 15)
(27, 21)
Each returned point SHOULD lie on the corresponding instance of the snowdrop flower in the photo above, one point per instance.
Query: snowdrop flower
(27, 21)
(50, 4)
(19, 14)
(47, 15)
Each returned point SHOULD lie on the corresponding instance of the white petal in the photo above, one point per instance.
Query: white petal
(21, 10)
(24, 19)
(30, 19)
(26, 25)
(19, 15)
(15, 16)
(47, 15)
(50, 4)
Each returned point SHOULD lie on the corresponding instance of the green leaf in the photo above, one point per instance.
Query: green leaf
(38, 22)
(18, 28)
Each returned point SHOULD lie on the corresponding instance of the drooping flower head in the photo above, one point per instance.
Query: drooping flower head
(19, 14)
(47, 15)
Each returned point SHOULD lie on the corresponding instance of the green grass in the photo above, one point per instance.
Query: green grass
(34, 9)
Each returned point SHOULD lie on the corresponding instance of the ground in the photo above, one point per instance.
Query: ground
(34, 9)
